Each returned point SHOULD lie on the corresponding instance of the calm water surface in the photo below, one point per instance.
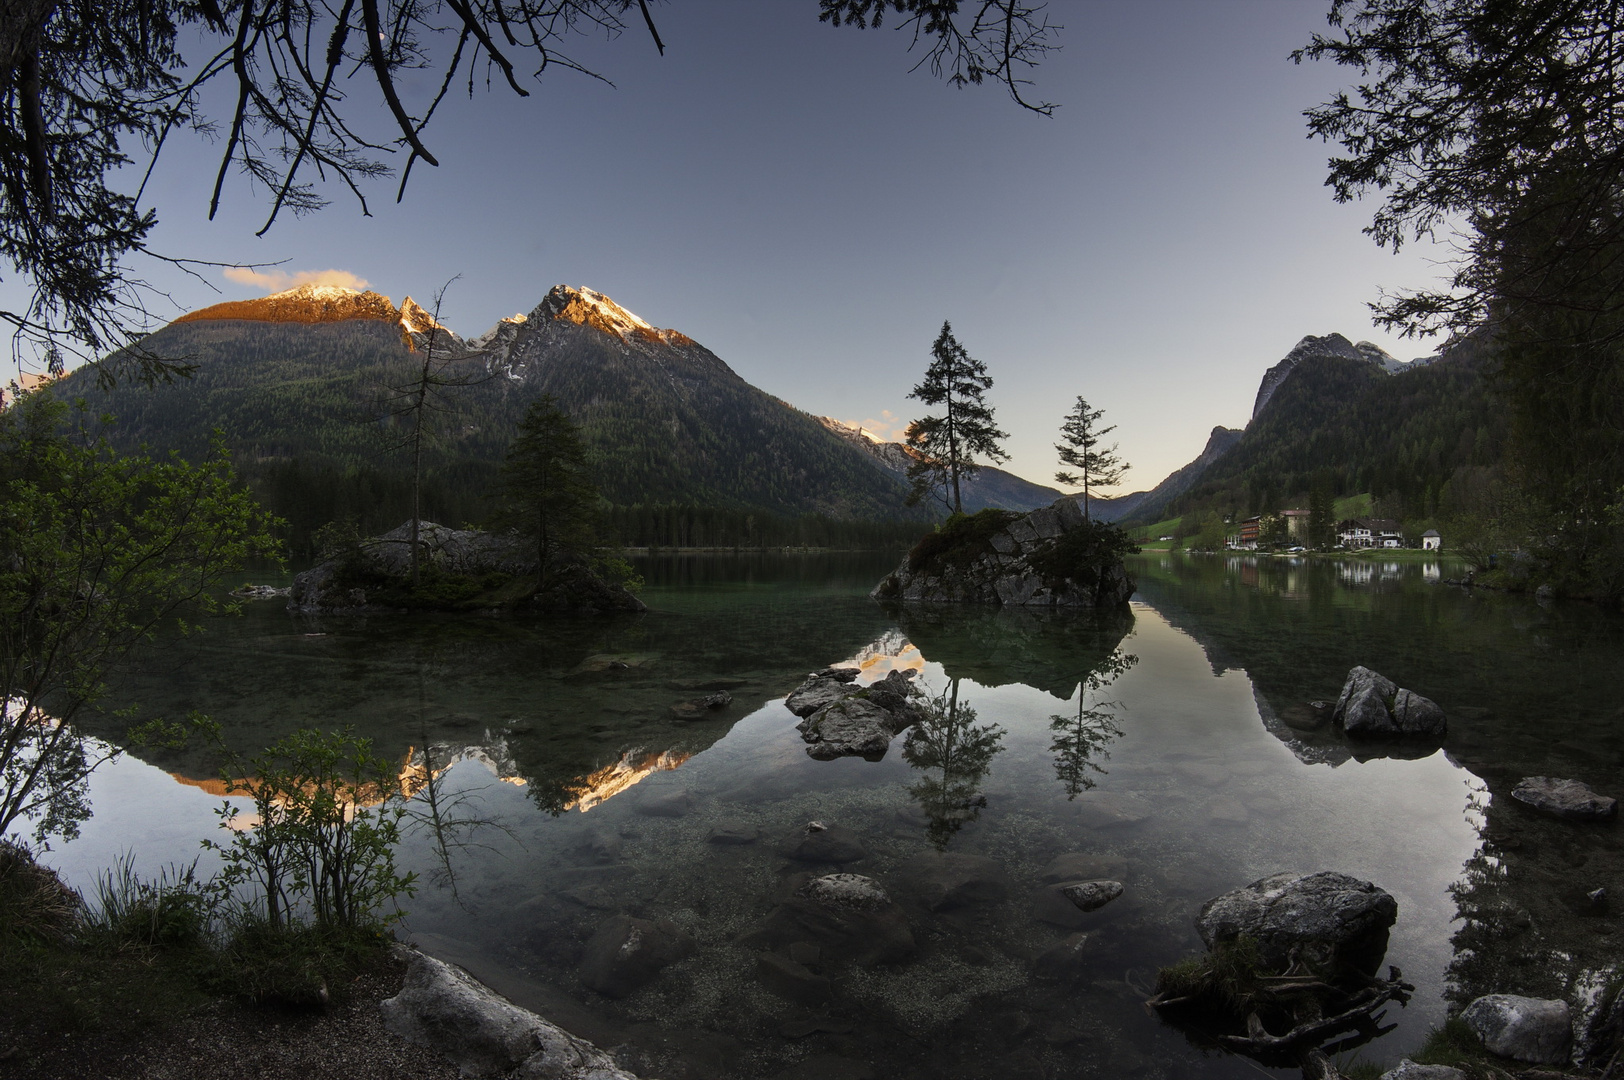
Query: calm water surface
(1173, 746)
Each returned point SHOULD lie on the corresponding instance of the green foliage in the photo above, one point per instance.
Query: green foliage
(1229, 977)
(945, 447)
(300, 405)
(1346, 427)
(546, 495)
(1080, 553)
(97, 550)
(1080, 447)
(1212, 536)
(1452, 1044)
(174, 910)
(958, 541)
(328, 818)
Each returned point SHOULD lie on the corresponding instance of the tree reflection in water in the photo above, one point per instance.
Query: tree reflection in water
(950, 740)
(1080, 741)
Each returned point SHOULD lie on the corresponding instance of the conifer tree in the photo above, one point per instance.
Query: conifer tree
(944, 448)
(546, 493)
(1080, 447)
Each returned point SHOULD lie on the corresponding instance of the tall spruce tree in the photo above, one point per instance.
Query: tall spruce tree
(1080, 447)
(546, 493)
(945, 447)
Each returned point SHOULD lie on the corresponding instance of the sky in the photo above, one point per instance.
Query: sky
(791, 196)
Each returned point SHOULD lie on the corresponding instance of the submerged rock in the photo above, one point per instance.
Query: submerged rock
(847, 917)
(1065, 962)
(445, 1009)
(791, 979)
(1091, 895)
(1527, 1029)
(949, 880)
(1374, 707)
(1330, 918)
(1565, 798)
(1051, 557)
(625, 953)
(816, 842)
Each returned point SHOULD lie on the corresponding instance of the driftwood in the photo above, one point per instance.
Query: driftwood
(1308, 999)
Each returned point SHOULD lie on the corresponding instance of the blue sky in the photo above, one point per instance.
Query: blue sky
(789, 195)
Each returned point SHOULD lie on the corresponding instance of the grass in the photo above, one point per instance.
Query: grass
(1161, 528)
(1359, 505)
(142, 955)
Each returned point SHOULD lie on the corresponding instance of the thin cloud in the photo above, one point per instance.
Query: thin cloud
(282, 280)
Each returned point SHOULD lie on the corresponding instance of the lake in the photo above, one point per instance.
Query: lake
(1172, 746)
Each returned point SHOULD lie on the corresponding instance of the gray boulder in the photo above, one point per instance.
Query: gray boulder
(1565, 798)
(1091, 895)
(821, 688)
(1333, 919)
(1374, 707)
(445, 1009)
(1534, 1030)
(861, 721)
(1409, 1070)
(625, 953)
(1026, 563)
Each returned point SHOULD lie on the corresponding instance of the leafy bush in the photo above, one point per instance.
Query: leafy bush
(958, 541)
(1081, 552)
(329, 813)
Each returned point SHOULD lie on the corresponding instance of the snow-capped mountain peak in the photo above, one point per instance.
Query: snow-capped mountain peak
(587, 307)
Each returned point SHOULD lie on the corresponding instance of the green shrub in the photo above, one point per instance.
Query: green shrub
(1081, 552)
(329, 813)
(176, 909)
(958, 541)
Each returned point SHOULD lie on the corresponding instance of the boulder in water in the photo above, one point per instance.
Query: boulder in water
(1329, 918)
(1522, 1028)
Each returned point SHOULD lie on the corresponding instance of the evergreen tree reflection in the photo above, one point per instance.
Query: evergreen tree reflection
(955, 753)
(1081, 741)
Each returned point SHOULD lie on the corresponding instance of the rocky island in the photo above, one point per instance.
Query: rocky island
(1051, 557)
(460, 570)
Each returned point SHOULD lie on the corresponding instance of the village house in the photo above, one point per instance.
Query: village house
(1369, 533)
(1431, 541)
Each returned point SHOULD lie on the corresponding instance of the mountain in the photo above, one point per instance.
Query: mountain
(1312, 348)
(1148, 506)
(300, 384)
(989, 486)
(1351, 415)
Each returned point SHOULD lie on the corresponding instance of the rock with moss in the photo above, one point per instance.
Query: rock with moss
(1374, 707)
(459, 570)
(1052, 557)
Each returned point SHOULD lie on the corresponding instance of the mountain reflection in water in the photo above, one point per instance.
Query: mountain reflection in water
(1171, 748)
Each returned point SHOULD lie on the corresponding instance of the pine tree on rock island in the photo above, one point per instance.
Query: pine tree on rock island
(547, 495)
(945, 447)
(1096, 465)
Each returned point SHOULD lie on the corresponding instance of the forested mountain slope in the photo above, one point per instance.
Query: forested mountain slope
(307, 408)
(1357, 425)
